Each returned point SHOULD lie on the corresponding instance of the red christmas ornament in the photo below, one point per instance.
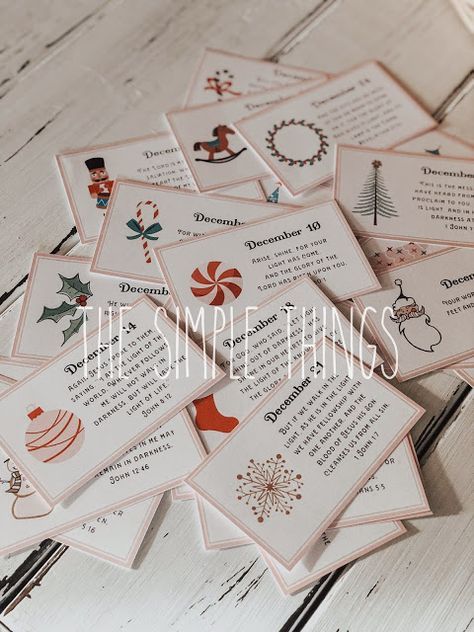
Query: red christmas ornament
(53, 436)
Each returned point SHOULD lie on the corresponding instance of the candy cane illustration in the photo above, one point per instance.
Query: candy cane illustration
(145, 233)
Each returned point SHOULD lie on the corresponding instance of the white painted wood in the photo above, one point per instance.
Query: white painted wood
(120, 66)
(420, 41)
(174, 586)
(424, 582)
(108, 81)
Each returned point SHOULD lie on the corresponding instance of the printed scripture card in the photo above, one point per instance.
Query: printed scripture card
(221, 76)
(239, 268)
(88, 174)
(141, 217)
(116, 537)
(110, 391)
(268, 486)
(406, 196)
(153, 466)
(423, 313)
(256, 347)
(52, 318)
(215, 153)
(363, 106)
(335, 548)
(395, 491)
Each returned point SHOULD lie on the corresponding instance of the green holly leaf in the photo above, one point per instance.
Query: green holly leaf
(74, 327)
(73, 287)
(56, 313)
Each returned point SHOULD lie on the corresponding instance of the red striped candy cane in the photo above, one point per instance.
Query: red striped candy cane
(139, 213)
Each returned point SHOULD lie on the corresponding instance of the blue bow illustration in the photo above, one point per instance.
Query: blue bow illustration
(147, 233)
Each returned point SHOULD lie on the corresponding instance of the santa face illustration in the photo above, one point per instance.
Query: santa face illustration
(26, 502)
(413, 322)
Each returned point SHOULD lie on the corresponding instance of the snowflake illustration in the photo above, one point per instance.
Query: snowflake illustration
(270, 485)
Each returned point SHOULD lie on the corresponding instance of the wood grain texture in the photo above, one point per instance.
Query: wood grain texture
(424, 581)
(108, 79)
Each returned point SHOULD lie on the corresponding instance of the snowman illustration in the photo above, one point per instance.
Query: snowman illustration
(27, 504)
(413, 322)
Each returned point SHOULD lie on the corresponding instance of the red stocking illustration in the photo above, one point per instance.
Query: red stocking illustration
(209, 418)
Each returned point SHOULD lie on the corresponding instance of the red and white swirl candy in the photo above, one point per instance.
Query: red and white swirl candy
(215, 283)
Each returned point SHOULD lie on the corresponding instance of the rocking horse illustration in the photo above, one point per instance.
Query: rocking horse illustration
(217, 146)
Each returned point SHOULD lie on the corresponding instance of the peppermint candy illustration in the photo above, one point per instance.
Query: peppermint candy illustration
(216, 283)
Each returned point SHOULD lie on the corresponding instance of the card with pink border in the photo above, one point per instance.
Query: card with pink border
(335, 548)
(142, 216)
(365, 105)
(51, 319)
(154, 465)
(256, 260)
(437, 142)
(467, 375)
(126, 371)
(221, 75)
(16, 369)
(116, 537)
(406, 196)
(395, 491)
(88, 174)
(259, 341)
(423, 313)
(386, 254)
(215, 153)
(346, 427)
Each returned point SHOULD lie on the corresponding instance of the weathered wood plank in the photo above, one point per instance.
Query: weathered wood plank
(424, 581)
(112, 80)
(407, 36)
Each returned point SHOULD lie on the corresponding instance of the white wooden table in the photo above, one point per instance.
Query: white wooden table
(89, 71)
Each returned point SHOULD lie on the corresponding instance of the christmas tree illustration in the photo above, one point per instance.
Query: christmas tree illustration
(374, 198)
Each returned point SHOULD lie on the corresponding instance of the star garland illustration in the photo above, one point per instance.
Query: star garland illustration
(79, 293)
(270, 485)
(321, 139)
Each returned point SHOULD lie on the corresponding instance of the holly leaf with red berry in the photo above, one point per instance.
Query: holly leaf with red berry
(76, 291)
(74, 288)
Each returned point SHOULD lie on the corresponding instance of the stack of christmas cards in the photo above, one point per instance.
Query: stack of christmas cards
(260, 277)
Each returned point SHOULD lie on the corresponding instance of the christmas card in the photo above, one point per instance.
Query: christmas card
(157, 463)
(239, 268)
(124, 372)
(117, 536)
(52, 319)
(305, 450)
(141, 217)
(297, 137)
(422, 315)
(256, 347)
(88, 174)
(333, 549)
(221, 75)
(414, 197)
(215, 153)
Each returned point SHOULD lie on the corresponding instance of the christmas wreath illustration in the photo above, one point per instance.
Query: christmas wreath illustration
(320, 140)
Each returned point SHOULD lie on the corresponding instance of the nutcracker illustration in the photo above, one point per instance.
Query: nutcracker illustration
(101, 186)
(27, 504)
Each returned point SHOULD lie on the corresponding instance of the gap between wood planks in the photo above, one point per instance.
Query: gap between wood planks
(33, 569)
